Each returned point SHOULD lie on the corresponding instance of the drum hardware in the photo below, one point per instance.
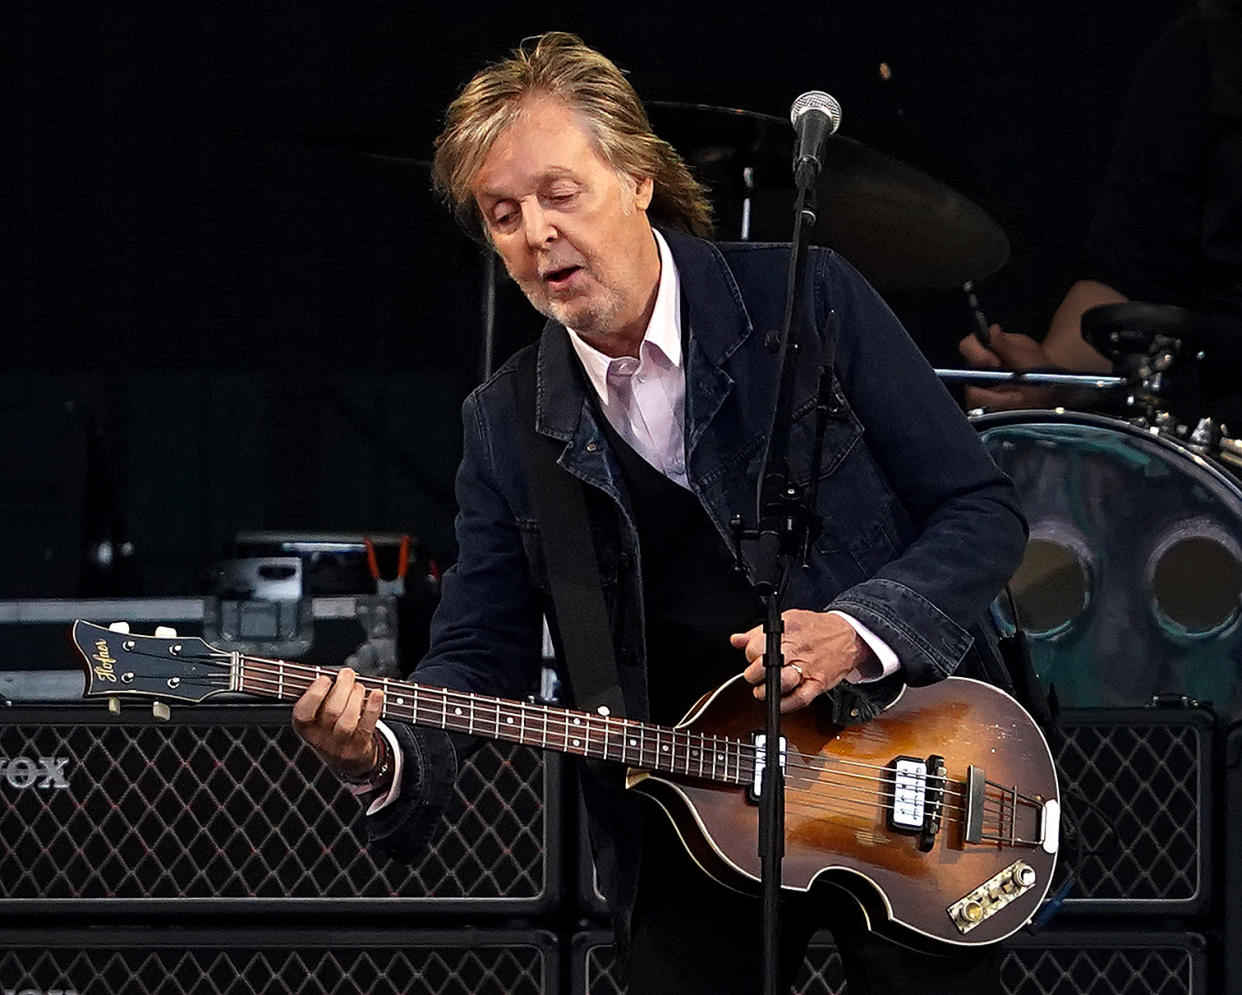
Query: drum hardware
(1207, 437)
(1160, 348)
(1044, 378)
(1230, 451)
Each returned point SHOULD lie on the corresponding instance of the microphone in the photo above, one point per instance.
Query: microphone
(815, 115)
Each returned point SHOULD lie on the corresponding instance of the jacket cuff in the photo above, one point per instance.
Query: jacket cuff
(929, 644)
(404, 828)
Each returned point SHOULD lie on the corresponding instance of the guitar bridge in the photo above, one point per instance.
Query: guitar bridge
(1016, 819)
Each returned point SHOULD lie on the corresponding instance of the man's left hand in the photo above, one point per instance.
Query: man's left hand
(819, 649)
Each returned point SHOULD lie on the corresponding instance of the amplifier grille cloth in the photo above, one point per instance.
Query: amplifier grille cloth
(1096, 965)
(245, 810)
(440, 969)
(1142, 833)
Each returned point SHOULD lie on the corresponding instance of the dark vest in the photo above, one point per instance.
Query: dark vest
(693, 598)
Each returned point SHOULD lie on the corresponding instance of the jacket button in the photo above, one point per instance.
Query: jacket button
(591, 447)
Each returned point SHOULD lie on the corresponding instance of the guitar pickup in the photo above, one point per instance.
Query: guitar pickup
(906, 813)
(917, 801)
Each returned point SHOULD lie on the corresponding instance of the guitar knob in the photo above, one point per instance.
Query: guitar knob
(1025, 875)
(971, 912)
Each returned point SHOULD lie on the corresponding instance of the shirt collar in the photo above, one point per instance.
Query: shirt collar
(663, 335)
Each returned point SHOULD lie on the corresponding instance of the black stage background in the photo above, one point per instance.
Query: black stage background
(273, 328)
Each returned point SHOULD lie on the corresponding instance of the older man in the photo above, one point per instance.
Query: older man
(653, 376)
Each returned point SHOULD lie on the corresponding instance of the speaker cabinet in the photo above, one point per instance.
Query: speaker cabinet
(232, 962)
(1232, 926)
(1137, 791)
(1050, 963)
(223, 808)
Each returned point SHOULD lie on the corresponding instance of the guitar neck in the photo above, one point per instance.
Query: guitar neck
(627, 741)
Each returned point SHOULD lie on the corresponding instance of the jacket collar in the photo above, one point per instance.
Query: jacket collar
(719, 324)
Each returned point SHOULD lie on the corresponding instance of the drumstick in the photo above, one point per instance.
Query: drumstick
(981, 332)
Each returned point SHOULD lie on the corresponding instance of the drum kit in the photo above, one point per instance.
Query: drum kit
(1131, 587)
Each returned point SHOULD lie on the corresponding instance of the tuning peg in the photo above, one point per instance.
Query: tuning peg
(119, 627)
(114, 705)
(166, 632)
(161, 711)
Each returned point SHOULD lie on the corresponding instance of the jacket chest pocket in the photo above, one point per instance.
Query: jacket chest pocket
(842, 434)
(861, 518)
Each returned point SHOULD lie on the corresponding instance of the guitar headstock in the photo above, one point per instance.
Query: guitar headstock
(181, 668)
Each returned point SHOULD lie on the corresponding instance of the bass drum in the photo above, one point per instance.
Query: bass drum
(1132, 580)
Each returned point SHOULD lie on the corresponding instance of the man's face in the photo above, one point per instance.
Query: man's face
(571, 229)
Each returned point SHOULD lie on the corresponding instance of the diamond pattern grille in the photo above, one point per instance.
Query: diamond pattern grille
(243, 809)
(1098, 970)
(1097, 965)
(822, 972)
(411, 968)
(1142, 831)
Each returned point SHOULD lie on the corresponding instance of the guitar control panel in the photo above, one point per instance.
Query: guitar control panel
(992, 896)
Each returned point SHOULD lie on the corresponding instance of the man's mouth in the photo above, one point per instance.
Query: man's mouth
(559, 278)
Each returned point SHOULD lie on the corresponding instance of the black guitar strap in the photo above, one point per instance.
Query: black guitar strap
(559, 504)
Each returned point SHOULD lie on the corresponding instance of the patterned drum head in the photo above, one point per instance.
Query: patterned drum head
(1132, 580)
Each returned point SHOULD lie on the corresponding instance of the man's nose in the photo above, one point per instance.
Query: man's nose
(539, 228)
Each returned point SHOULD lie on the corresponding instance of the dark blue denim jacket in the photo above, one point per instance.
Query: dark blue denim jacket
(920, 529)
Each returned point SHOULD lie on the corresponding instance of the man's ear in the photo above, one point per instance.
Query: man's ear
(643, 193)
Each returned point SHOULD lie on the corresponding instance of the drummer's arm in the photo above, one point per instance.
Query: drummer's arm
(1064, 343)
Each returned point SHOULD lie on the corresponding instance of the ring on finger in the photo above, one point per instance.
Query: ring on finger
(794, 666)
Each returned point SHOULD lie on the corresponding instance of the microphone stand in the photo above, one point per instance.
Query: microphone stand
(787, 524)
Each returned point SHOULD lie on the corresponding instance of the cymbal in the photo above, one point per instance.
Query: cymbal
(903, 229)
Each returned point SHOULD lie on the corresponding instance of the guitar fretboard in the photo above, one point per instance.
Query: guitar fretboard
(652, 747)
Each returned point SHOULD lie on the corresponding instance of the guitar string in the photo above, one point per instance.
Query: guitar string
(262, 671)
(795, 799)
(496, 708)
(737, 752)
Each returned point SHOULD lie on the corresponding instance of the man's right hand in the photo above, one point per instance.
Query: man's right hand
(337, 719)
